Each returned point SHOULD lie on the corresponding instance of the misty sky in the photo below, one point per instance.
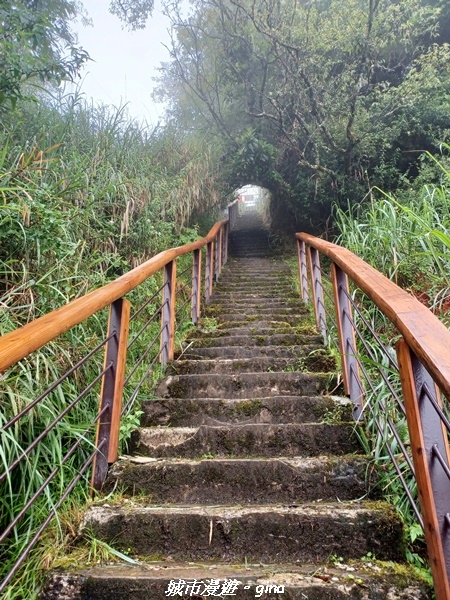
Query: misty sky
(125, 62)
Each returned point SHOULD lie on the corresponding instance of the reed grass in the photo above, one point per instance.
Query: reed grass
(85, 194)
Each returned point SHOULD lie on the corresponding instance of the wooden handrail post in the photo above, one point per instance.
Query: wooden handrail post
(209, 270)
(196, 285)
(302, 270)
(347, 340)
(111, 391)
(428, 437)
(168, 313)
(317, 292)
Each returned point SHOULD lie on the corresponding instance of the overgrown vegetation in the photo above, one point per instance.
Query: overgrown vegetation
(406, 237)
(87, 194)
(321, 102)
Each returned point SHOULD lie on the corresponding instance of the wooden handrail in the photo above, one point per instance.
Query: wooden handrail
(424, 333)
(21, 342)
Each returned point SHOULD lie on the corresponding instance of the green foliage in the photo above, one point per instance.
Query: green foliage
(36, 46)
(85, 195)
(407, 239)
(317, 100)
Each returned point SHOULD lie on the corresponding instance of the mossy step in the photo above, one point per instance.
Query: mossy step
(233, 320)
(257, 328)
(193, 352)
(369, 580)
(267, 297)
(251, 288)
(216, 411)
(244, 302)
(276, 339)
(245, 385)
(318, 362)
(264, 533)
(243, 481)
(246, 440)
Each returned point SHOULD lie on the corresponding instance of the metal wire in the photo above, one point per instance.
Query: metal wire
(436, 406)
(158, 291)
(137, 388)
(437, 453)
(182, 307)
(370, 353)
(56, 383)
(52, 475)
(50, 517)
(152, 318)
(391, 359)
(52, 425)
(144, 354)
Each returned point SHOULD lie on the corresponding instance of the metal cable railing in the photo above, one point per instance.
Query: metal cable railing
(389, 392)
(119, 366)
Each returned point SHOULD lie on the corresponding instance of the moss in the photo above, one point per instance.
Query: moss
(248, 408)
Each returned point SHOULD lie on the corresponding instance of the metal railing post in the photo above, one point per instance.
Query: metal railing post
(347, 340)
(429, 447)
(218, 255)
(302, 270)
(196, 285)
(226, 231)
(111, 391)
(168, 312)
(317, 292)
(209, 270)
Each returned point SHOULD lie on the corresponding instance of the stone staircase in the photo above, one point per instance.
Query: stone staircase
(247, 479)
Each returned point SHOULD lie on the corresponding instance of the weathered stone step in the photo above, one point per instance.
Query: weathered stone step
(155, 580)
(249, 351)
(258, 328)
(320, 363)
(241, 481)
(254, 339)
(215, 411)
(246, 310)
(255, 303)
(247, 440)
(224, 297)
(245, 385)
(252, 288)
(235, 319)
(307, 532)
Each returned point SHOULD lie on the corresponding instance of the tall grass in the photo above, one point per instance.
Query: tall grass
(408, 239)
(85, 195)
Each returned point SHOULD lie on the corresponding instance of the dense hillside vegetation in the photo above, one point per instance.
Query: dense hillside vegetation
(339, 108)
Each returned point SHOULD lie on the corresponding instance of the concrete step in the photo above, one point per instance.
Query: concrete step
(318, 362)
(233, 320)
(267, 533)
(256, 328)
(244, 385)
(223, 296)
(178, 412)
(216, 339)
(247, 440)
(193, 352)
(255, 303)
(223, 310)
(152, 581)
(241, 481)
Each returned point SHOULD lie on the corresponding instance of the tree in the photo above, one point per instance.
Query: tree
(133, 13)
(327, 83)
(37, 45)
